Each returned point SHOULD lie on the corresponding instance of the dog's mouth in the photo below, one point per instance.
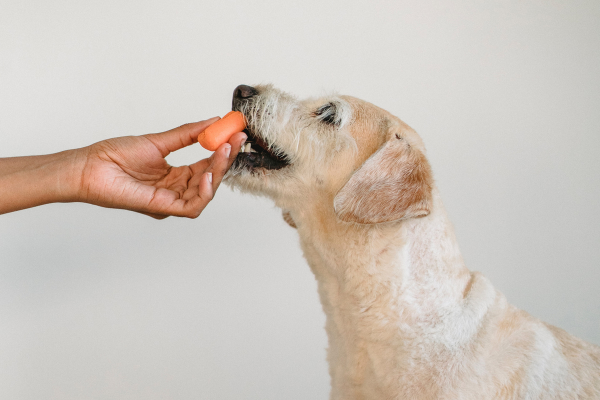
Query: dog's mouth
(257, 153)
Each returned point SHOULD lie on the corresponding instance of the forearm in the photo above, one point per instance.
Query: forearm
(35, 180)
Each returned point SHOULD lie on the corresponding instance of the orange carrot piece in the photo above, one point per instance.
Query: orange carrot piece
(220, 132)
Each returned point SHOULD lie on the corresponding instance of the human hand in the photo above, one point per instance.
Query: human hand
(131, 173)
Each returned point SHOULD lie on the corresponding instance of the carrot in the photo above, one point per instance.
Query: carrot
(220, 132)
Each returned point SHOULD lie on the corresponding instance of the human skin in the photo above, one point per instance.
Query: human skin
(127, 172)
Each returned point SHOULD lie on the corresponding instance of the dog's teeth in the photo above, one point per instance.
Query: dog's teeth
(248, 148)
(243, 149)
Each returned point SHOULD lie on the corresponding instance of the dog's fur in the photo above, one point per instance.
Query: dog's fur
(405, 318)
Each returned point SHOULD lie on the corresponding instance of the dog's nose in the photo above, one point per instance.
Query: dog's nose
(244, 92)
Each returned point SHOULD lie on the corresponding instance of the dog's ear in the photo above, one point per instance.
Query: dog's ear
(394, 183)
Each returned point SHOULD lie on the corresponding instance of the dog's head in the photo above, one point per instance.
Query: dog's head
(343, 155)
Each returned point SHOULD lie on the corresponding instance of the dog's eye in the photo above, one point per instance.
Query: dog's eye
(327, 113)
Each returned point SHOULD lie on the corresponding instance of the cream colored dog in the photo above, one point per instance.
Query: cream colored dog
(405, 318)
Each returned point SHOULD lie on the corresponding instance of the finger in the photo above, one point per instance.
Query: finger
(224, 157)
(220, 164)
(236, 141)
(194, 184)
(180, 137)
(201, 166)
(168, 202)
(198, 169)
(223, 161)
(192, 207)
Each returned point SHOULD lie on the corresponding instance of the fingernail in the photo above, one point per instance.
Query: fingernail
(227, 150)
(209, 176)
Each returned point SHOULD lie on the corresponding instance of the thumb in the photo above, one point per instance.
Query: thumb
(175, 139)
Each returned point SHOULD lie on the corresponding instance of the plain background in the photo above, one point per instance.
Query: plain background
(108, 304)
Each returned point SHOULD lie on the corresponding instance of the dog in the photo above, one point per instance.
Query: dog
(405, 318)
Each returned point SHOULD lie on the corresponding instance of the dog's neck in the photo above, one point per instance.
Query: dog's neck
(418, 256)
(383, 285)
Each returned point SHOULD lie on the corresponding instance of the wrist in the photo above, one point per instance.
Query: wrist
(66, 171)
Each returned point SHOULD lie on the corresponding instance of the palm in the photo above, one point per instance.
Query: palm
(131, 172)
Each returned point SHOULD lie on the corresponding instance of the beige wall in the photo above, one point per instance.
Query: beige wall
(105, 304)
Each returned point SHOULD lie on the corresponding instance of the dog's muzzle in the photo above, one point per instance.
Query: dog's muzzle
(256, 153)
